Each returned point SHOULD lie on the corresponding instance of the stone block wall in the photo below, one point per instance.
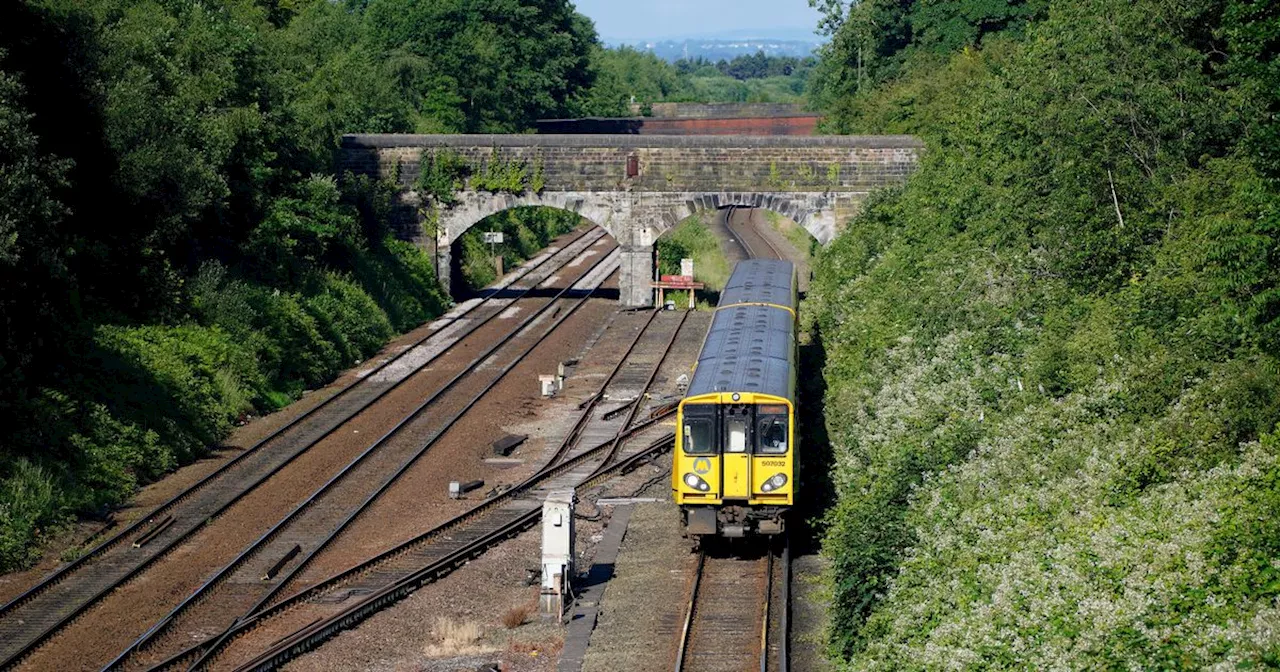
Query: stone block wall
(663, 163)
(637, 187)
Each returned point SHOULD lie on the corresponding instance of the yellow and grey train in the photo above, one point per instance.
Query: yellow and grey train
(735, 465)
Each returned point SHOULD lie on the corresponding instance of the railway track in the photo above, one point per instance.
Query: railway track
(255, 576)
(318, 611)
(759, 246)
(306, 631)
(48, 607)
(737, 618)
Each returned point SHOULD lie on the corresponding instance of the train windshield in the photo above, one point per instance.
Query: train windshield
(699, 429)
(771, 432)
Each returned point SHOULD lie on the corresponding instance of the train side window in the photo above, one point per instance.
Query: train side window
(773, 434)
(699, 436)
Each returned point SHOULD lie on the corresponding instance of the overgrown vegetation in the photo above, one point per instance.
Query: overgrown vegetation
(173, 255)
(1051, 358)
(173, 252)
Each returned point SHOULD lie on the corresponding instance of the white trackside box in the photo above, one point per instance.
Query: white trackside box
(557, 549)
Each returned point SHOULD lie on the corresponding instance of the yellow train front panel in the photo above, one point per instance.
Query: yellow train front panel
(725, 460)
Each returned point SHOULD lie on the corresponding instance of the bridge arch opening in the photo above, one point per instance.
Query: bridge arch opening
(718, 238)
(526, 231)
(816, 216)
(636, 187)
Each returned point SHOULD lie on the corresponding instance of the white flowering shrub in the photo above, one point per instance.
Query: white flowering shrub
(1051, 377)
(1026, 556)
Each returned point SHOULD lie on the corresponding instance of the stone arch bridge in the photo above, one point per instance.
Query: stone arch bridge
(638, 187)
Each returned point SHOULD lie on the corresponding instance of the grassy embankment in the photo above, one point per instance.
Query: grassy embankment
(1051, 359)
(805, 245)
(693, 239)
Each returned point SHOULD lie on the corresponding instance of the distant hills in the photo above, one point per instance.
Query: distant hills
(727, 45)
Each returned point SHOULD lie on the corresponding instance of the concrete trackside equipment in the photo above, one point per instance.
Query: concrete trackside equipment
(557, 550)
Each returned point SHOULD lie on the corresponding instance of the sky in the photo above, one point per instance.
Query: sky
(663, 19)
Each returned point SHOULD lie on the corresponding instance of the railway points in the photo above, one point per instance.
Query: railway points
(51, 605)
(323, 516)
(335, 548)
(577, 462)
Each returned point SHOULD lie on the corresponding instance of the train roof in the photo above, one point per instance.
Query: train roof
(760, 281)
(749, 348)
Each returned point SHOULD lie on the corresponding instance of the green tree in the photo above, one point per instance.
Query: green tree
(508, 62)
(625, 75)
(33, 265)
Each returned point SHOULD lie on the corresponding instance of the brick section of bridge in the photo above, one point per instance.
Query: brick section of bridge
(718, 110)
(792, 125)
(637, 187)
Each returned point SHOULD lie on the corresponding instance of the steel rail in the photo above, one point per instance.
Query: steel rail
(575, 432)
(553, 467)
(768, 601)
(317, 632)
(635, 407)
(241, 625)
(63, 573)
(244, 625)
(683, 646)
(753, 230)
(737, 237)
(784, 619)
(265, 601)
(705, 618)
(91, 554)
(200, 593)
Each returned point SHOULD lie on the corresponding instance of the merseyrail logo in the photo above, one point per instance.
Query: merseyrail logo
(701, 465)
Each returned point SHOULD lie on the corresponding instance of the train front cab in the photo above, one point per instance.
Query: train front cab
(734, 470)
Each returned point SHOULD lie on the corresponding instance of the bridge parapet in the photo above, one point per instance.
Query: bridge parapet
(660, 163)
(637, 187)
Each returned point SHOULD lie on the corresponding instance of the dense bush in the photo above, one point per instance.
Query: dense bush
(402, 280)
(28, 495)
(152, 397)
(1053, 390)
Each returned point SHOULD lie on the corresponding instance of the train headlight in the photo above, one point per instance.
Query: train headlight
(695, 481)
(775, 481)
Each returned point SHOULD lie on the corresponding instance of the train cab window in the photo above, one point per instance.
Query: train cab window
(771, 430)
(699, 431)
(736, 428)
